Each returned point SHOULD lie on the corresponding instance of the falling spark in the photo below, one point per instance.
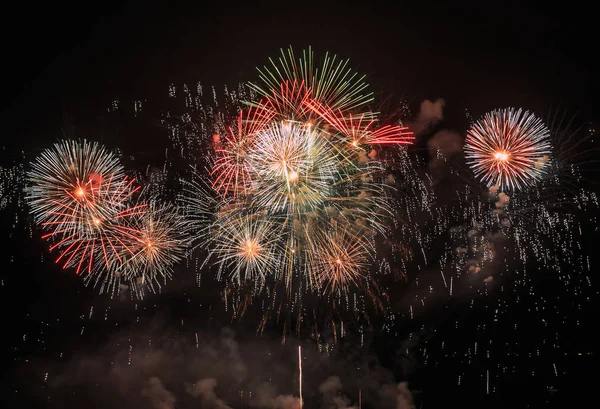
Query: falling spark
(300, 371)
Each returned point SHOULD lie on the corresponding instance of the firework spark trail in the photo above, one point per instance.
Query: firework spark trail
(300, 375)
(508, 148)
(11, 181)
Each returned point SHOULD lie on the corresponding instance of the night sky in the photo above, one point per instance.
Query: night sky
(66, 346)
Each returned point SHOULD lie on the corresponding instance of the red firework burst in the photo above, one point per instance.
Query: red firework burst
(86, 230)
(288, 101)
(230, 171)
(361, 129)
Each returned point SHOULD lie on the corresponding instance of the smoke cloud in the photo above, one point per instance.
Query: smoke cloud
(332, 396)
(161, 368)
(442, 146)
(158, 395)
(448, 142)
(430, 113)
(444, 143)
(205, 390)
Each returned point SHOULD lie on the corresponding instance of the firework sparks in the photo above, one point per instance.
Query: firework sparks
(297, 205)
(75, 176)
(79, 196)
(247, 247)
(294, 167)
(154, 242)
(508, 148)
(361, 130)
(323, 243)
(341, 260)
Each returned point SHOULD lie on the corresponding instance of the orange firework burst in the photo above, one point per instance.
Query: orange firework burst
(508, 148)
(151, 244)
(341, 260)
(73, 177)
(247, 246)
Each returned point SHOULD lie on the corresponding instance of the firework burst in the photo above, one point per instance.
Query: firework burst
(302, 193)
(88, 209)
(152, 243)
(508, 148)
(247, 248)
(74, 177)
(342, 260)
(293, 166)
(77, 192)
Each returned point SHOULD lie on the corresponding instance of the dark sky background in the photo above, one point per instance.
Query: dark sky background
(71, 61)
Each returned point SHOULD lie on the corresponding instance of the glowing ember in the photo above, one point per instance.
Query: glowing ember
(292, 176)
(501, 156)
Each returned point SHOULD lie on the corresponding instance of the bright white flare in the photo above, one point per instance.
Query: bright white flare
(293, 166)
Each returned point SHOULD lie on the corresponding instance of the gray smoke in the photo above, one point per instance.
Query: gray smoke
(163, 369)
(430, 113)
(158, 396)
